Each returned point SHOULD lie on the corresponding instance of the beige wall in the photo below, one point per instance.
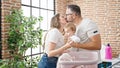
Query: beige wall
(106, 13)
(60, 6)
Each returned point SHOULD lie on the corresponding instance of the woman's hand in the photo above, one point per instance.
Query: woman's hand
(66, 51)
(68, 44)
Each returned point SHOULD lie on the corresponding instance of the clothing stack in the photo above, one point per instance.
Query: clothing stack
(81, 59)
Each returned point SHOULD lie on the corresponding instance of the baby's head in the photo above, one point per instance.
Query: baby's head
(69, 29)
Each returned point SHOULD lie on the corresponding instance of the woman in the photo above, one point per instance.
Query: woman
(54, 43)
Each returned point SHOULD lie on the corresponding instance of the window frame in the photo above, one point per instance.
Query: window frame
(0, 29)
(39, 8)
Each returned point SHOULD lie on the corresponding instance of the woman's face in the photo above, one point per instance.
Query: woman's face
(63, 20)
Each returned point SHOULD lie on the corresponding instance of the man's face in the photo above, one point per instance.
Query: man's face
(69, 15)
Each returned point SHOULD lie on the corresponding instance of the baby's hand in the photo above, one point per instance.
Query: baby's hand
(72, 43)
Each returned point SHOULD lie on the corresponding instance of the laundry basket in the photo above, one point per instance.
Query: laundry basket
(81, 59)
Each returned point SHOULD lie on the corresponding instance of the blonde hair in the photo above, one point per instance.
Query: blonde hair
(70, 26)
(55, 21)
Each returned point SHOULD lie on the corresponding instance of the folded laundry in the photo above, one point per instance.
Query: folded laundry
(81, 59)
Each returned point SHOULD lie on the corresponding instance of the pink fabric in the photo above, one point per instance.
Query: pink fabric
(78, 60)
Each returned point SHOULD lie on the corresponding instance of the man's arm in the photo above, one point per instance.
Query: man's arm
(94, 44)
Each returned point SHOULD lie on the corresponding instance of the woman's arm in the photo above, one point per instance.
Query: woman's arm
(52, 51)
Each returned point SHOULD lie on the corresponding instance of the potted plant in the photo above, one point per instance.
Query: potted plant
(22, 35)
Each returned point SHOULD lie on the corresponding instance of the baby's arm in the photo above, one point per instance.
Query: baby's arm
(75, 39)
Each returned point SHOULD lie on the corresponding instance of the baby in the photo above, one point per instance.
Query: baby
(69, 29)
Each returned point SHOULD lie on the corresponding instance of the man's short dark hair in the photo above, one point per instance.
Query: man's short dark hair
(75, 8)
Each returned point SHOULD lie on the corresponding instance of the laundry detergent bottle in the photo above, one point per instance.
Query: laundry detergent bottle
(108, 52)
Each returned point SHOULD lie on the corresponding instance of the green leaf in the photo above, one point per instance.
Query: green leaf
(21, 37)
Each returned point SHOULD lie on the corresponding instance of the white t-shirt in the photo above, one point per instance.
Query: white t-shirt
(75, 38)
(86, 29)
(54, 36)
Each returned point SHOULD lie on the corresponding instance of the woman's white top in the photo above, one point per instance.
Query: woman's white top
(54, 36)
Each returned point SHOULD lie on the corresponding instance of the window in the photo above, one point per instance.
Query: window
(44, 8)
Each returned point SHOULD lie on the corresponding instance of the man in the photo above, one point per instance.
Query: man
(86, 30)
(88, 33)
